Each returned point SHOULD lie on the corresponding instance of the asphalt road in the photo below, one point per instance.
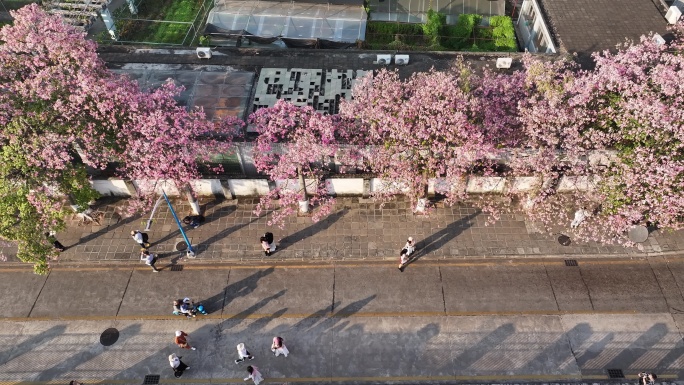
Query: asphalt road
(498, 321)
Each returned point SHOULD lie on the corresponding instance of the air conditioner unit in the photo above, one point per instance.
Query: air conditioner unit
(658, 39)
(203, 52)
(383, 59)
(673, 14)
(504, 62)
(401, 60)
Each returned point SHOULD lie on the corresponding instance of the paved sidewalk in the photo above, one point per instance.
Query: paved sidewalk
(357, 230)
(436, 323)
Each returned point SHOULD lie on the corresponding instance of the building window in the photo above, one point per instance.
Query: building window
(530, 15)
(540, 42)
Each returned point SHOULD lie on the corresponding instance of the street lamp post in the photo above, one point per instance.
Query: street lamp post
(191, 251)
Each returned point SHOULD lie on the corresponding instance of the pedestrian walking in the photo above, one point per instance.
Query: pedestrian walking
(647, 378)
(254, 375)
(243, 353)
(405, 253)
(182, 340)
(278, 347)
(53, 240)
(177, 365)
(141, 238)
(149, 258)
(268, 243)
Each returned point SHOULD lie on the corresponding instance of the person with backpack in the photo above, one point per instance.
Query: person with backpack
(177, 365)
(278, 347)
(267, 243)
(141, 238)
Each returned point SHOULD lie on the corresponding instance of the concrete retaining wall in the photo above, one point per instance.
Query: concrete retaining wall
(336, 186)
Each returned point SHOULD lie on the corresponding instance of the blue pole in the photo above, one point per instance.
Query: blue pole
(180, 227)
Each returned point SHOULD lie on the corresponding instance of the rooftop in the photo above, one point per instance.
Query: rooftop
(586, 26)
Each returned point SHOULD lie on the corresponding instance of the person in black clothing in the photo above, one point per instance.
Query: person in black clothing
(267, 243)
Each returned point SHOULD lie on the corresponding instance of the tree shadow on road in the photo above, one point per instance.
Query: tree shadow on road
(31, 343)
(73, 361)
(240, 288)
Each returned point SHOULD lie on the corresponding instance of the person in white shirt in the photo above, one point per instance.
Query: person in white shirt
(177, 365)
(278, 347)
(405, 254)
(254, 375)
(243, 353)
(141, 238)
(150, 259)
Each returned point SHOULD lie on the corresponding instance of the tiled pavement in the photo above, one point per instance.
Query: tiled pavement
(357, 230)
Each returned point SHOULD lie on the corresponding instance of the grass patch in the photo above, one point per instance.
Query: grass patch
(168, 21)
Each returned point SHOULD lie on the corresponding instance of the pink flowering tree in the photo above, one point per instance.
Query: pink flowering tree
(437, 126)
(612, 137)
(167, 144)
(62, 111)
(296, 148)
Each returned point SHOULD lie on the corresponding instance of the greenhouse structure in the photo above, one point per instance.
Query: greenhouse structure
(291, 24)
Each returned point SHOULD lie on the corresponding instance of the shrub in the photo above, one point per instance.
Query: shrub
(458, 36)
(434, 25)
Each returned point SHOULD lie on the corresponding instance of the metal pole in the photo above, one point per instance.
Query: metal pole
(191, 252)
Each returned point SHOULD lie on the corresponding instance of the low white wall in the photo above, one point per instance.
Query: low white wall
(351, 186)
(344, 186)
(112, 187)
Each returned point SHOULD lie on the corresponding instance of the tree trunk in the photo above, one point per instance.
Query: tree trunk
(192, 199)
(304, 203)
(422, 203)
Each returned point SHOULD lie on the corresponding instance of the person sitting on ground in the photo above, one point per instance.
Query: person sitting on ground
(177, 307)
(187, 308)
(194, 220)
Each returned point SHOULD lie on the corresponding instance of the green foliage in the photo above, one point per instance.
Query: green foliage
(434, 26)
(503, 33)
(459, 36)
(18, 223)
(435, 35)
(183, 12)
(379, 34)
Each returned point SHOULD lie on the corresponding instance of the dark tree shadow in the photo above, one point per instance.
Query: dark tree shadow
(238, 289)
(237, 318)
(440, 238)
(353, 307)
(473, 354)
(106, 229)
(93, 351)
(31, 343)
(224, 233)
(595, 349)
(639, 347)
(311, 230)
(223, 212)
(561, 349)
